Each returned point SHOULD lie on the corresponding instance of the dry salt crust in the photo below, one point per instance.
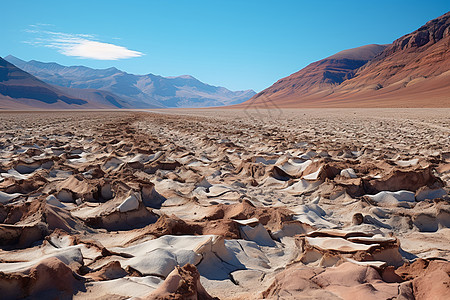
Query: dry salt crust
(117, 200)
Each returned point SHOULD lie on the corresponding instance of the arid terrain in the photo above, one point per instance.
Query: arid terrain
(233, 204)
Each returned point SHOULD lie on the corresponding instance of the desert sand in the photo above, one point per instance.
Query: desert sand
(227, 204)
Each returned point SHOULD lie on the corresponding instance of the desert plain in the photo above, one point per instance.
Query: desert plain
(225, 203)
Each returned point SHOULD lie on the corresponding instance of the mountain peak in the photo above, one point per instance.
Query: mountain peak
(182, 77)
(9, 57)
(366, 52)
(186, 77)
(113, 69)
(14, 60)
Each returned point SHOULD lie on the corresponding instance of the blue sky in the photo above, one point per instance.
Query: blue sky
(239, 44)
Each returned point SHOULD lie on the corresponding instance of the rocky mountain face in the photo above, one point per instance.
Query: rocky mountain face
(140, 91)
(413, 71)
(324, 74)
(430, 33)
(421, 55)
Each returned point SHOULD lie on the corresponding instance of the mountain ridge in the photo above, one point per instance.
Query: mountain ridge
(139, 90)
(21, 90)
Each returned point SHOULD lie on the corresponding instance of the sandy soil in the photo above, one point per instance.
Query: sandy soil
(233, 204)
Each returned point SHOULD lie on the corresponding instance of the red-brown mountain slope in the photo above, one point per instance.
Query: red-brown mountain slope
(414, 71)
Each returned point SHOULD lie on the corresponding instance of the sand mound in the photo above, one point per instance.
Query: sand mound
(182, 283)
(50, 278)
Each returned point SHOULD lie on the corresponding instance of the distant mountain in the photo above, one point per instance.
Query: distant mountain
(140, 91)
(21, 90)
(413, 71)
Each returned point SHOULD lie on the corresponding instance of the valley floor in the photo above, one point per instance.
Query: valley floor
(234, 204)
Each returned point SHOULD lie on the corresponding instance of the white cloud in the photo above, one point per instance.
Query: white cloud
(80, 45)
(84, 48)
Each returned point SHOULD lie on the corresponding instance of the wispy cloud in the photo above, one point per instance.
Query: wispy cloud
(41, 25)
(79, 45)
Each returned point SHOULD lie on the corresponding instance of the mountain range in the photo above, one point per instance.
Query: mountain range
(21, 90)
(112, 88)
(413, 71)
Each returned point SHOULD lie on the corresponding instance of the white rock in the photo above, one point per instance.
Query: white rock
(302, 186)
(130, 203)
(214, 257)
(262, 160)
(218, 190)
(204, 183)
(128, 287)
(65, 196)
(67, 255)
(407, 163)
(313, 176)
(309, 154)
(312, 215)
(393, 198)
(52, 200)
(274, 183)
(141, 158)
(377, 238)
(349, 173)
(5, 197)
(247, 221)
(157, 262)
(257, 234)
(248, 277)
(293, 167)
(339, 244)
(381, 213)
(112, 164)
(289, 230)
(373, 263)
(16, 175)
(430, 194)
